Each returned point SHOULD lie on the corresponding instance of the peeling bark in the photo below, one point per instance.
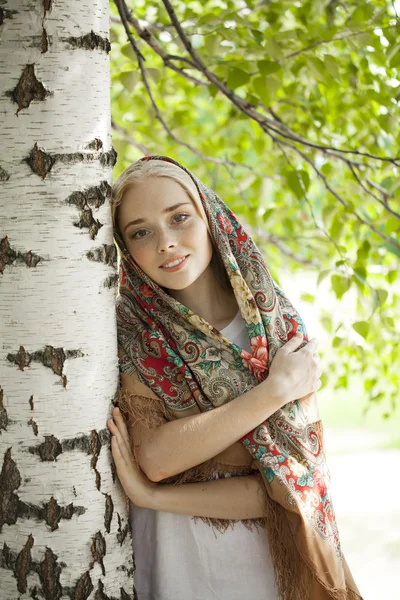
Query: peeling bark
(108, 512)
(90, 41)
(29, 88)
(23, 564)
(10, 480)
(98, 550)
(42, 162)
(44, 42)
(107, 254)
(34, 426)
(122, 531)
(49, 572)
(3, 412)
(54, 358)
(8, 256)
(49, 512)
(111, 281)
(84, 587)
(49, 575)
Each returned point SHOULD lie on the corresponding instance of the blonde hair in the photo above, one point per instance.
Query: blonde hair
(141, 170)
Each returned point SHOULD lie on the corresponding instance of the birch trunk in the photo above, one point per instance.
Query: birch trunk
(64, 528)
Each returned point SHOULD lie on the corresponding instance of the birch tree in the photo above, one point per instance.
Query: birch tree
(64, 528)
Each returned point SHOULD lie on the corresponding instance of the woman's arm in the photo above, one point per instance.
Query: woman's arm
(226, 498)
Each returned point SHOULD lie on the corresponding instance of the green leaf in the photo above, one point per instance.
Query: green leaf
(340, 285)
(236, 78)
(129, 79)
(267, 67)
(292, 179)
(260, 88)
(128, 51)
(307, 298)
(332, 66)
(362, 327)
(322, 275)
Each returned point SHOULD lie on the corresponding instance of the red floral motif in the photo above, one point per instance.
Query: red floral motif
(259, 347)
(146, 290)
(225, 223)
(255, 366)
(320, 483)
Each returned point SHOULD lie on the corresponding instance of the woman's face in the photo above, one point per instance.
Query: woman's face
(160, 226)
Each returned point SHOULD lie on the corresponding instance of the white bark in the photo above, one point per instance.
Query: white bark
(61, 302)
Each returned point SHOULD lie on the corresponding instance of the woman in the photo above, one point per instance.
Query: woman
(220, 405)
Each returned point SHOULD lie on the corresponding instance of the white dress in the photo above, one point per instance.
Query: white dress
(180, 559)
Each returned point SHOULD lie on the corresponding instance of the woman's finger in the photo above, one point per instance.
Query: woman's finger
(124, 450)
(121, 424)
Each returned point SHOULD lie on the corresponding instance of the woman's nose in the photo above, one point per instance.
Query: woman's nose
(166, 241)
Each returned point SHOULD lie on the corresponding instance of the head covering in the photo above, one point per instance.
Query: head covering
(187, 362)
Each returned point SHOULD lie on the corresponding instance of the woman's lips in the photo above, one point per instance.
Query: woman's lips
(176, 267)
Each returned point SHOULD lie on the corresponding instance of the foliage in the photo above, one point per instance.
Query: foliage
(290, 111)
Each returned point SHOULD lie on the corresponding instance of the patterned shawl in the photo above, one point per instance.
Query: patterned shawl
(187, 362)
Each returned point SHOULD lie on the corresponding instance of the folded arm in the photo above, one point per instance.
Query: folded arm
(227, 498)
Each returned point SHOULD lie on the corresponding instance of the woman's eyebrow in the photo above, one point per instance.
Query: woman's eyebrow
(166, 210)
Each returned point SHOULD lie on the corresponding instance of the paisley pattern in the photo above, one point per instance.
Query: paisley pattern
(186, 361)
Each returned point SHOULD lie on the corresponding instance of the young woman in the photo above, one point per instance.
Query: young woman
(217, 439)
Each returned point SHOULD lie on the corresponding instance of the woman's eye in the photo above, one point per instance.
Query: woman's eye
(178, 218)
(137, 235)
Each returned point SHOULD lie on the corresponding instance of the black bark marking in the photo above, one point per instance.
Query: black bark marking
(87, 220)
(22, 358)
(10, 480)
(34, 426)
(90, 41)
(84, 587)
(108, 513)
(31, 402)
(111, 281)
(7, 558)
(40, 162)
(4, 176)
(100, 595)
(51, 357)
(95, 144)
(28, 88)
(44, 42)
(48, 450)
(126, 596)
(49, 512)
(95, 447)
(3, 412)
(23, 565)
(49, 573)
(122, 532)
(47, 6)
(94, 196)
(8, 256)
(107, 254)
(108, 159)
(98, 549)
(6, 14)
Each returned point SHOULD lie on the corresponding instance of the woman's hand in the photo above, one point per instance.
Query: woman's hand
(295, 374)
(137, 486)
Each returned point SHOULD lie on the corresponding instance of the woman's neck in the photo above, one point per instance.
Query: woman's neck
(207, 298)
